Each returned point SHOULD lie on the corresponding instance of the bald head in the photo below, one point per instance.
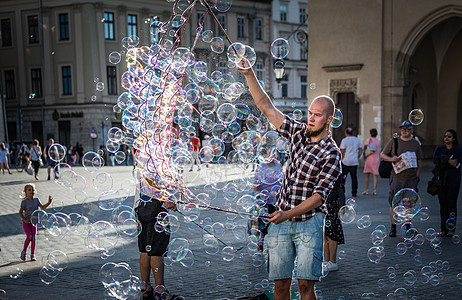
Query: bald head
(327, 103)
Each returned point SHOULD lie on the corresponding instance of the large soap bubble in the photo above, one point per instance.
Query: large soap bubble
(409, 202)
(416, 117)
(337, 119)
(280, 48)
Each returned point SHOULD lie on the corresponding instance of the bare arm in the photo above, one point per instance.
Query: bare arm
(309, 204)
(44, 206)
(21, 209)
(385, 157)
(261, 99)
(360, 151)
(419, 167)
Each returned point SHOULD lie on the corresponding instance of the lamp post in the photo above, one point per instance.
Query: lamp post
(278, 68)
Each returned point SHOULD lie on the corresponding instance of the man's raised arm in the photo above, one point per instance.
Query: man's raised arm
(261, 99)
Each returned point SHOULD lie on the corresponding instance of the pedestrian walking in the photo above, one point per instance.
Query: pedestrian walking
(371, 165)
(35, 158)
(408, 177)
(351, 149)
(447, 159)
(50, 163)
(313, 166)
(196, 143)
(4, 158)
(29, 204)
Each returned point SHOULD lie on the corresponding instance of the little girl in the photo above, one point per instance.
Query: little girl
(29, 204)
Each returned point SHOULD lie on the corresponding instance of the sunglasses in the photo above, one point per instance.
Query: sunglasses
(408, 129)
(448, 136)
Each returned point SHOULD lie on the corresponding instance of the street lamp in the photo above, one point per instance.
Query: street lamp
(278, 69)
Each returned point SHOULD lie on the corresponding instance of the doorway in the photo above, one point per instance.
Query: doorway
(64, 128)
(350, 111)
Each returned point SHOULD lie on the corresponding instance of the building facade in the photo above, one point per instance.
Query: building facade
(381, 59)
(56, 74)
(290, 22)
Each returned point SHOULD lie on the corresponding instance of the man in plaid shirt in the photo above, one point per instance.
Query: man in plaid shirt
(295, 239)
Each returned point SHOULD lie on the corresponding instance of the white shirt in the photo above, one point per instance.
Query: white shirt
(351, 145)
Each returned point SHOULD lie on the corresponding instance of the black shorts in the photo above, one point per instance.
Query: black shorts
(150, 237)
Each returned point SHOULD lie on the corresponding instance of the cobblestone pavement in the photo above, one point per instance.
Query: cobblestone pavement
(356, 276)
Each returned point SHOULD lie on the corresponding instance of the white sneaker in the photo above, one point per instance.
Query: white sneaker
(332, 266)
(325, 266)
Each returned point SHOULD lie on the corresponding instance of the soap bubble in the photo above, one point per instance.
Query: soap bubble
(280, 48)
(337, 119)
(99, 86)
(416, 117)
(223, 5)
(217, 45)
(236, 52)
(114, 57)
(346, 214)
(207, 36)
(410, 202)
(56, 152)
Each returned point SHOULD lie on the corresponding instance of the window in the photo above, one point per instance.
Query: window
(284, 86)
(201, 19)
(222, 20)
(132, 25)
(109, 26)
(32, 22)
(36, 82)
(6, 33)
(303, 15)
(111, 80)
(63, 27)
(10, 89)
(67, 80)
(259, 29)
(240, 27)
(260, 70)
(283, 12)
(154, 29)
(223, 67)
(304, 50)
(303, 87)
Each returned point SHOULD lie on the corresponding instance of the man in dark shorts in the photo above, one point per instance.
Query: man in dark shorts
(151, 244)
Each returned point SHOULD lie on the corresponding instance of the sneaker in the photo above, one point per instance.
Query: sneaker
(392, 231)
(331, 267)
(32, 257)
(23, 255)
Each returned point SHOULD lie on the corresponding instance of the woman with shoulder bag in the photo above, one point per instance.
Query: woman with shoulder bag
(35, 158)
(448, 158)
(371, 166)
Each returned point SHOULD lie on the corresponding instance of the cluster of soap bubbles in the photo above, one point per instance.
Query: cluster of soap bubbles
(52, 265)
(119, 281)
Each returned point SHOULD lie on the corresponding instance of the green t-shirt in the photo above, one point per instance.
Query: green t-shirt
(404, 146)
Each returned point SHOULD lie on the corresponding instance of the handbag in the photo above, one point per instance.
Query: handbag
(370, 149)
(438, 181)
(29, 169)
(385, 167)
(40, 161)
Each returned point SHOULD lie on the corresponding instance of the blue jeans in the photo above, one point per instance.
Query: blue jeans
(296, 247)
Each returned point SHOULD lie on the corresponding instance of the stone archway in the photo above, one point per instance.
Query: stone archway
(430, 71)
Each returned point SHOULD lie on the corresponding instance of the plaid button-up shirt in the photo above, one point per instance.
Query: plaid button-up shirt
(312, 167)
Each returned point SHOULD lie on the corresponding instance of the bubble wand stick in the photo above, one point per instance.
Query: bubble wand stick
(201, 227)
